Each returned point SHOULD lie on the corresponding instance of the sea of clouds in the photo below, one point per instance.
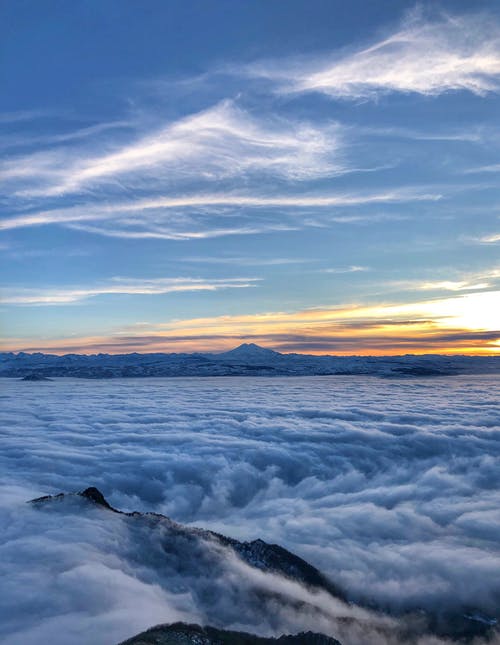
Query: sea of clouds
(390, 487)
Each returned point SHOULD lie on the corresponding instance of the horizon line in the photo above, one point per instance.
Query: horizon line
(58, 353)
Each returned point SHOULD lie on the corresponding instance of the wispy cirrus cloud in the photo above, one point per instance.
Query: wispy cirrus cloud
(453, 285)
(220, 142)
(470, 134)
(488, 278)
(491, 239)
(120, 286)
(15, 141)
(19, 116)
(423, 56)
(195, 231)
(245, 260)
(179, 217)
(174, 167)
(350, 269)
(489, 168)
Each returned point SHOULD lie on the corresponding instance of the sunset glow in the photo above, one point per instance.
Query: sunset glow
(333, 194)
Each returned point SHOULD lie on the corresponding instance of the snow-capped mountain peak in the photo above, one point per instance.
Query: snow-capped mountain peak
(249, 351)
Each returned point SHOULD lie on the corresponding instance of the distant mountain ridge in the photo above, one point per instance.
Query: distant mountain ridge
(247, 359)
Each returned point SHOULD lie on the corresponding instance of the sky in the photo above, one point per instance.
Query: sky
(313, 176)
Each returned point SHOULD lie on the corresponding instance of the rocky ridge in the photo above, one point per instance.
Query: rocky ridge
(204, 554)
(182, 634)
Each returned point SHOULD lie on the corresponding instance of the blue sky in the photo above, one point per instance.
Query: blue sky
(313, 176)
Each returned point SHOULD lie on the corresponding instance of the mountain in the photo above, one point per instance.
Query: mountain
(246, 360)
(249, 353)
(257, 553)
(251, 583)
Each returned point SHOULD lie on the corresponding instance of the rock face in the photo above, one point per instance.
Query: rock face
(182, 634)
(245, 360)
(95, 495)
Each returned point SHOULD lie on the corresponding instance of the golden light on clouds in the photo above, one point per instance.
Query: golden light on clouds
(465, 324)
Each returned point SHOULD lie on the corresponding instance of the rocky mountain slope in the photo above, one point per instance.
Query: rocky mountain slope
(255, 583)
(257, 553)
(182, 634)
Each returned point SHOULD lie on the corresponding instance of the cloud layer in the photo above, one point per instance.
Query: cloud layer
(391, 488)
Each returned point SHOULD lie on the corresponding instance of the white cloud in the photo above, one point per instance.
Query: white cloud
(427, 57)
(186, 216)
(389, 487)
(73, 135)
(245, 261)
(161, 232)
(453, 285)
(220, 142)
(350, 269)
(491, 168)
(490, 239)
(120, 286)
(448, 279)
(7, 118)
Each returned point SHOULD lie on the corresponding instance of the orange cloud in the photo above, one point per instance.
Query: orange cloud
(467, 324)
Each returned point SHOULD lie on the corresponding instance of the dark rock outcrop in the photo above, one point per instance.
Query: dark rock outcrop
(202, 555)
(35, 377)
(257, 553)
(182, 634)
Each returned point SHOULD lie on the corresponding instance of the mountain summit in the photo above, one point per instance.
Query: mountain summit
(249, 351)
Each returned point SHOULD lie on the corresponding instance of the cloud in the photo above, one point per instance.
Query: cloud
(466, 323)
(490, 239)
(82, 133)
(423, 56)
(161, 184)
(120, 286)
(389, 487)
(7, 118)
(221, 142)
(479, 169)
(188, 216)
(488, 278)
(457, 285)
(471, 134)
(351, 269)
(171, 233)
(245, 261)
